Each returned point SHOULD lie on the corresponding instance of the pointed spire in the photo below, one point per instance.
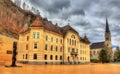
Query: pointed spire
(107, 26)
(86, 39)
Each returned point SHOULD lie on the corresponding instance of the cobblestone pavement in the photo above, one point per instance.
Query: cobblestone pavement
(63, 69)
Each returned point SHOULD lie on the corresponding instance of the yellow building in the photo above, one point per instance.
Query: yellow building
(45, 43)
(7, 39)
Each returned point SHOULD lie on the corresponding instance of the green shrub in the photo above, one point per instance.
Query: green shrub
(94, 60)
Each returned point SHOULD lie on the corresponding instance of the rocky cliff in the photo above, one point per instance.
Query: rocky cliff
(13, 19)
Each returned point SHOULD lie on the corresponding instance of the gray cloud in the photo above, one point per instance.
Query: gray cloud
(51, 6)
(86, 16)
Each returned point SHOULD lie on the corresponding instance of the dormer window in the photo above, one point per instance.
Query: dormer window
(38, 35)
(34, 34)
(46, 38)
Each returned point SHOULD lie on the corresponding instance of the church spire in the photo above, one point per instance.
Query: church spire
(107, 26)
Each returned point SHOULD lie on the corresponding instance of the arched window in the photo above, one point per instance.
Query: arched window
(51, 39)
(51, 48)
(51, 57)
(23, 56)
(27, 38)
(26, 56)
(45, 56)
(46, 46)
(56, 57)
(56, 48)
(60, 57)
(70, 41)
(35, 56)
(61, 41)
(56, 40)
(35, 45)
(46, 38)
(68, 49)
(38, 35)
(27, 47)
(60, 49)
(34, 34)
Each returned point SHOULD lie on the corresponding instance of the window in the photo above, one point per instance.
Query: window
(67, 40)
(27, 47)
(68, 49)
(27, 38)
(94, 52)
(51, 48)
(45, 57)
(61, 41)
(70, 41)
(80, 58)
(83, 51)
(73, 50)
(60, 49)
(9, 52)
(56, 57)
(35, 56)
(46, 38)
(60, 57)
(35, 45)
(56, 48)
(46, 46)
(51, 39)
(23, 56)
(90, 52)
(76, 50)
(26, 56)
(107, 39)
(38, 35)
(75, 42)
(80, 51)
(107, 44)
(97, 52)
(56, 40)
(85, 58)
(34, 34)
(51, 57)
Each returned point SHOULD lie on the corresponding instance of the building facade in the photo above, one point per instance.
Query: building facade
(6, 47)
(45, 43)
(95, 48)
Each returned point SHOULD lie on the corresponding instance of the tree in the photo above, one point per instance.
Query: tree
(103, 56)
(117, 55)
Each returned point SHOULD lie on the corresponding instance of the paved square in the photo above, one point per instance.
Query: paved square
(63, 69)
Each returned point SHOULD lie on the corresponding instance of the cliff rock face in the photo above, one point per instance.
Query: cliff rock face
(13, 18)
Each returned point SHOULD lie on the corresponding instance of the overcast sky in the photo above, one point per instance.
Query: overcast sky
(86, 16)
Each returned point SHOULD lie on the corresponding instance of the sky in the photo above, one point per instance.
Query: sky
(85, 16)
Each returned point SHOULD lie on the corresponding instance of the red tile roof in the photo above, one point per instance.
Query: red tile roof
(37, 22)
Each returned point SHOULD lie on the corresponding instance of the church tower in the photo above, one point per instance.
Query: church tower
(108, 45)
(107, 36)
